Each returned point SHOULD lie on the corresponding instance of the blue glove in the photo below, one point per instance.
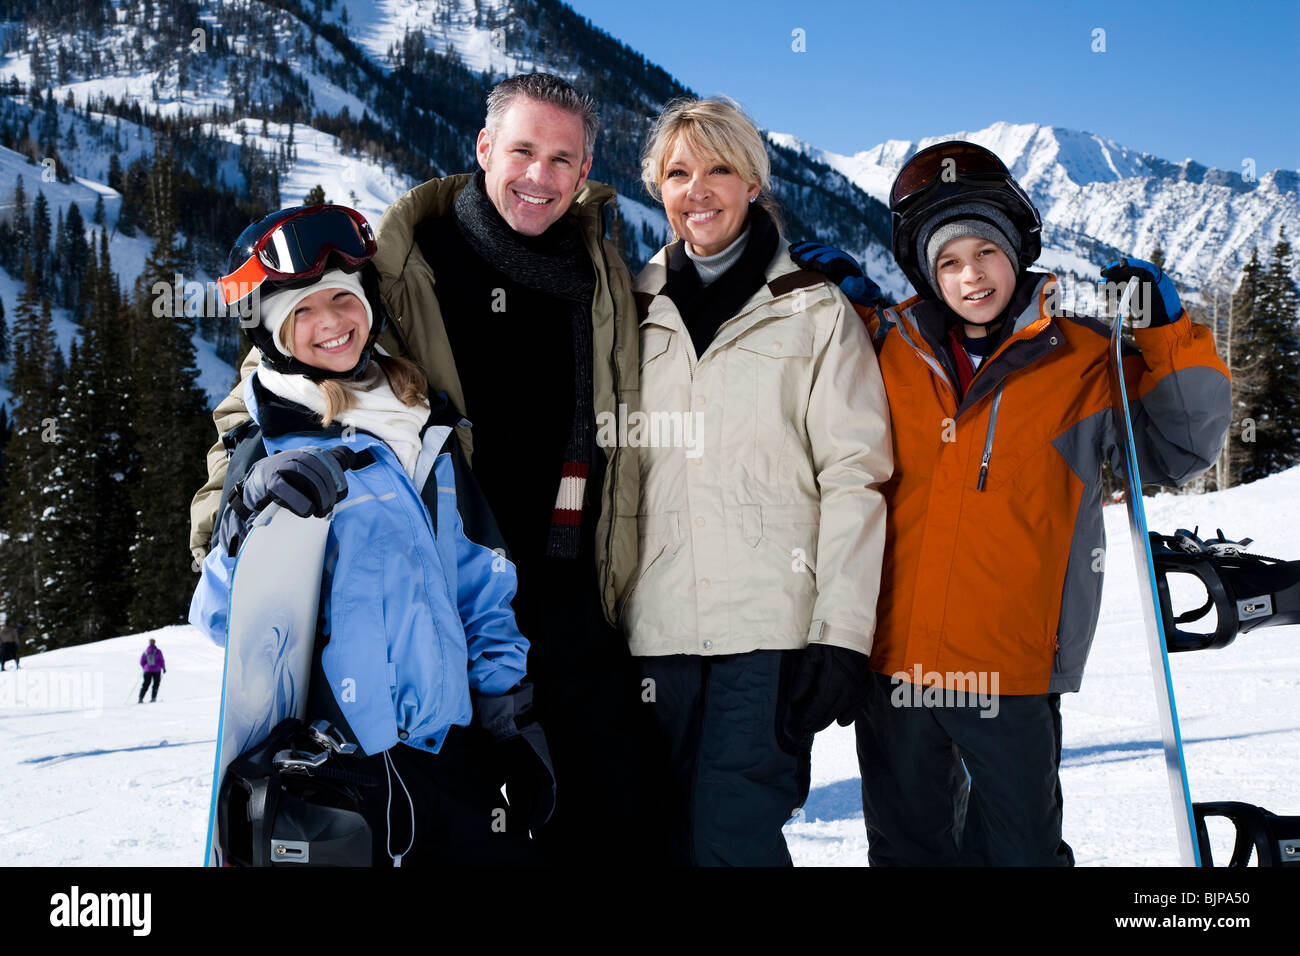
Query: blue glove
(1156, 307)
(307, 481)
(838, 266)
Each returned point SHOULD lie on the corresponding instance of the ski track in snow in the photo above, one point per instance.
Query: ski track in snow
(84, 769)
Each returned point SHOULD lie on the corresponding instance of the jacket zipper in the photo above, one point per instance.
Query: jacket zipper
(993, 413)
(988, 438)
(612, 477)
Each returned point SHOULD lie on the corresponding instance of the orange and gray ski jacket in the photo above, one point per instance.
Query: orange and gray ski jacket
(995, 543)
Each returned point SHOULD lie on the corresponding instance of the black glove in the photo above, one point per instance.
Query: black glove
(522, 753)
(830, 684)
(838, 266)
(1158, 302)
(308, 481)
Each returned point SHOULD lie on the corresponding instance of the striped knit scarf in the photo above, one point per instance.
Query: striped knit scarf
(555, 263)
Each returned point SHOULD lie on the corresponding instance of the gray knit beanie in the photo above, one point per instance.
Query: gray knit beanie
(983, 220)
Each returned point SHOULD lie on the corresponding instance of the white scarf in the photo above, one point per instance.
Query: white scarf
(376, 409)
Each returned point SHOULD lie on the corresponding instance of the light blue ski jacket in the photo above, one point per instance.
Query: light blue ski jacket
(415, 617)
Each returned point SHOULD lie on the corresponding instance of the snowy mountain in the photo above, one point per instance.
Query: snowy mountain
(1099, 199)
(78, 755)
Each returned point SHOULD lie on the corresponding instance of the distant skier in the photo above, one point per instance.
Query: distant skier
(154, 667)
(1001, 409)
(8, 643)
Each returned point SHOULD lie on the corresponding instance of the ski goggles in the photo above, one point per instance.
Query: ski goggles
(300, 247)
(948, 162)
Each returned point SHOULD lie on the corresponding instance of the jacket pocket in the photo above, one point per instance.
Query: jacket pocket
(793, 529)
(654, 343)
(656, 535)
(791, 338)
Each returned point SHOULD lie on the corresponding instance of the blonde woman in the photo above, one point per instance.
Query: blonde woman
(761, 523)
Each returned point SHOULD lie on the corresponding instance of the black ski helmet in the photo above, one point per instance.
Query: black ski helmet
(946, 174)
(292, 249)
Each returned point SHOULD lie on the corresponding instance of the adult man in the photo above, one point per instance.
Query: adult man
(530, 329)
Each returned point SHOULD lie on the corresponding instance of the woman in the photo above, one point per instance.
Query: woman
(417, 632)
(773, 442)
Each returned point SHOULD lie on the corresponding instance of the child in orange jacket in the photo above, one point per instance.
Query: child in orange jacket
(989, 598)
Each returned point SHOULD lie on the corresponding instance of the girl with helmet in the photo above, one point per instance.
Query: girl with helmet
(1000, 404)
(417, 631)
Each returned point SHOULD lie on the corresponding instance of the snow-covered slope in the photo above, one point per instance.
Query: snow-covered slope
(1091, 190)
(90, 777)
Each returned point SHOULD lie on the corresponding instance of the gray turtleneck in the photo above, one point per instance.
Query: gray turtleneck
(710, 267)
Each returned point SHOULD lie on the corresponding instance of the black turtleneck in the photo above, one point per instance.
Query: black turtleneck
(704, 308)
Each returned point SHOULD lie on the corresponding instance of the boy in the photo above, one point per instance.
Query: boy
(1002, 418)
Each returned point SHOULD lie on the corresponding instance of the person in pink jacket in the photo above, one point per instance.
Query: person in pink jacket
(154, 667)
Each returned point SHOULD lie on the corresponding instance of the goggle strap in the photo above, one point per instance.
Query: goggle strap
(243, 280)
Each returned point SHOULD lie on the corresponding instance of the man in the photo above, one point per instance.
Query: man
(151, 661)
(502, 286)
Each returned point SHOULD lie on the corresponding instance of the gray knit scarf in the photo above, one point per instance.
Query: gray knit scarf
(555, 263)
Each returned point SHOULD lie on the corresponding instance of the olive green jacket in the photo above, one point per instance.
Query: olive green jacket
(407, 286)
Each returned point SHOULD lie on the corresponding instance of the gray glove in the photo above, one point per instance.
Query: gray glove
(308, 481)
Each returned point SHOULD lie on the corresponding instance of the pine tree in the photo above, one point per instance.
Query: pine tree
(29, 461)
(169, 422)
(4, 335)
(1275, 332)
(22, 226)
(1248, 359)
(315, 197)
(91, 529)
(41, 241)
(74, 263)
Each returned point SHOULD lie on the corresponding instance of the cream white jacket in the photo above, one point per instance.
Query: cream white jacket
(762, 523)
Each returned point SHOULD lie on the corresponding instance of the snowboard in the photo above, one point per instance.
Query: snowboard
(1175, 764)
(271, 633)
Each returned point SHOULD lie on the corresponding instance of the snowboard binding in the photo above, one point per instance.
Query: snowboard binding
(1246, 591)
(1274, 839)
(290, 801)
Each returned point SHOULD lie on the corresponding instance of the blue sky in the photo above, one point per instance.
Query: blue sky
(1218, 82)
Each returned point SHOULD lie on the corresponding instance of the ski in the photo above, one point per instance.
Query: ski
(1175, 764)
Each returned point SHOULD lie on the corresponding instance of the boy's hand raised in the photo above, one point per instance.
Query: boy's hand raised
(1158, 302)
(838, 266)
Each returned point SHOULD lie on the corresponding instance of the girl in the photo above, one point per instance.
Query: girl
(417, 625)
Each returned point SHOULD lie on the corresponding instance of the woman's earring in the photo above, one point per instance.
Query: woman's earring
(752, 198)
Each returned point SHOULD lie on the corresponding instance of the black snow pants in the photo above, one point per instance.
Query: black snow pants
(150, 677)
(961, 785)
(611, 766)
(737, 776)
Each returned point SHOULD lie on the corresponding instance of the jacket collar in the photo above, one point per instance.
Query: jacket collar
(922, 323)
(776, 297)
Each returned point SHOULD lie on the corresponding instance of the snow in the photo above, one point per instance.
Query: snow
(78, 755)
